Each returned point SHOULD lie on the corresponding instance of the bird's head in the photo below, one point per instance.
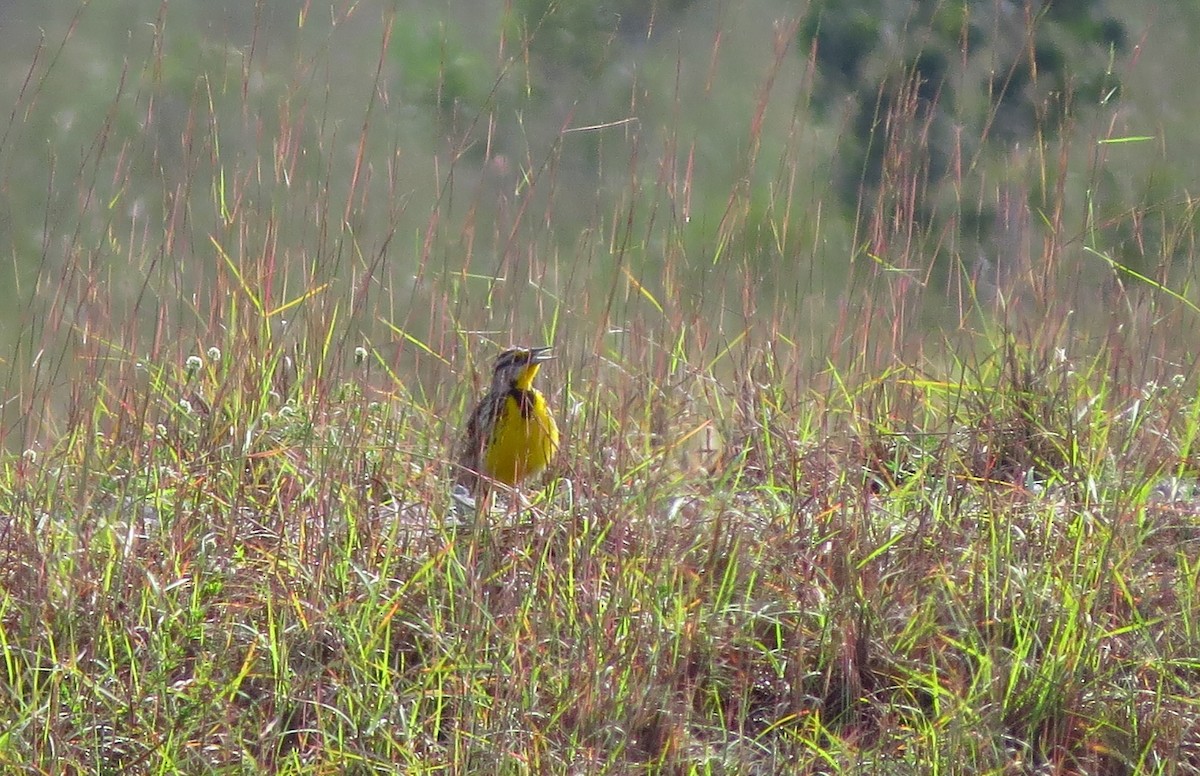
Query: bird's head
(516, 367)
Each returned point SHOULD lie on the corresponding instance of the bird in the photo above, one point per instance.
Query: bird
(511, 434)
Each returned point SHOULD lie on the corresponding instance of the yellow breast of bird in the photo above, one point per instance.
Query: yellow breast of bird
(525, 438)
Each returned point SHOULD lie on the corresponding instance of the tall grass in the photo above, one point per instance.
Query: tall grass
(941, 519)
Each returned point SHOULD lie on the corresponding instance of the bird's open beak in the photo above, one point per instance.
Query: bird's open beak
(541, 354)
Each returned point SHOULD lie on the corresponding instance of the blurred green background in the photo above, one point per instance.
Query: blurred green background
(516, 167)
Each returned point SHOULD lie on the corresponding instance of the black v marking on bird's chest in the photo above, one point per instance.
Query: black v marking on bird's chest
(525, 401)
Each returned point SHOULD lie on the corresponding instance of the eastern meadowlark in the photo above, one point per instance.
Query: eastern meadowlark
(511, 434)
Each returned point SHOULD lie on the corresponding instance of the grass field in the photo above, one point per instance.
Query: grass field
(831, 499)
